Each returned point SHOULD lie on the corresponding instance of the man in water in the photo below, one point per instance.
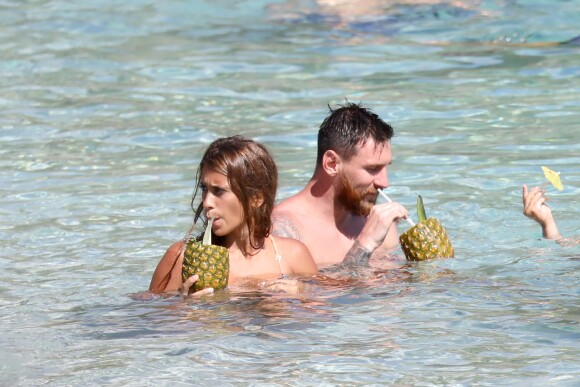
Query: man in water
(335, 215)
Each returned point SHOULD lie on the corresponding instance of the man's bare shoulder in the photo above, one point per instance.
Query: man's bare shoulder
(285, 224)
(290, 204)
(286, 218)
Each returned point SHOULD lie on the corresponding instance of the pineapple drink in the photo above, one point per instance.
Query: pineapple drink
(210, 262)
(427, 239)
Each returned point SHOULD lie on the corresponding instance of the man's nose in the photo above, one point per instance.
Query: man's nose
(382, 180)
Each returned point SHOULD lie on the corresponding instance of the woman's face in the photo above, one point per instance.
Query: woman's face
(221, 203)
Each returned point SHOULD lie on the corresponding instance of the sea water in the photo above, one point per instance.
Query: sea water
(107, 107)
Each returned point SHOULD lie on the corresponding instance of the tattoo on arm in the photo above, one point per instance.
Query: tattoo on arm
(358, 255)
(284, 227)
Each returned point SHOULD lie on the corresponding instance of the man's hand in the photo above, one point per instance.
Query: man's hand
(380, 220)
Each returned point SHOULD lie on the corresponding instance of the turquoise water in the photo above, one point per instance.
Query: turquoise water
(107, 106)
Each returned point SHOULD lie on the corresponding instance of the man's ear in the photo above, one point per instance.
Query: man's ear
(331, 162)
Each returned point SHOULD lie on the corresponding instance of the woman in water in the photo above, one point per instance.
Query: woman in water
(535, 208)
(238, 179)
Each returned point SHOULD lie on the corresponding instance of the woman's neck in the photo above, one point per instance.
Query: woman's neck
(240, 241)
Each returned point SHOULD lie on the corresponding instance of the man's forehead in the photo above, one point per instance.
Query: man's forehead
(373, 147)
(372, 154)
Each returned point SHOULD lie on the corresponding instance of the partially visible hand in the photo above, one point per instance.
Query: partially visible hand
(184, 291)
(535, 206)
(379, 221)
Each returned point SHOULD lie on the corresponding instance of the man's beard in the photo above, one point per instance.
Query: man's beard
(356, 201)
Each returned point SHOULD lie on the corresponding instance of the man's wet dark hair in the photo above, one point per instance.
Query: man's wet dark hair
(350, 125)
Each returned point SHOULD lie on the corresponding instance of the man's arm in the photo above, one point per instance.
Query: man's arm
(358, 255)
(391, 241)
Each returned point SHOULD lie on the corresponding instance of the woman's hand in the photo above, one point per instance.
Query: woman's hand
(184, 291)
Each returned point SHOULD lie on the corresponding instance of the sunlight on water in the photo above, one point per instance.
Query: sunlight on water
(107, 108)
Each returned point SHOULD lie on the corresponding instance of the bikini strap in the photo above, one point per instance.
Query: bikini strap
(278, 256)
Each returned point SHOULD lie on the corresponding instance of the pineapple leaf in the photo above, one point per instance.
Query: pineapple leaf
(207, 233)
(421, 209)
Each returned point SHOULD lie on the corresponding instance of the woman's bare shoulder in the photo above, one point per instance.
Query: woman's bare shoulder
(174, 251)
(290, 244)
(175, 248)
(296, 255)
(166, 276)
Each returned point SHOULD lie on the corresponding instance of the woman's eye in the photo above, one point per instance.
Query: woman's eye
(216, 191)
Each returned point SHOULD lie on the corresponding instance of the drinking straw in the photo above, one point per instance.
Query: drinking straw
(384, 195)
(207, 233)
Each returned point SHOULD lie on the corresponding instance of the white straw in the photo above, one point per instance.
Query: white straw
(384, 195)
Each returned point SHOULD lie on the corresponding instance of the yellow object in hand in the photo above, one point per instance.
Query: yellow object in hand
(553, 177)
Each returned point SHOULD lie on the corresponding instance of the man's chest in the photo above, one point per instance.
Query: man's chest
(327, 248)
